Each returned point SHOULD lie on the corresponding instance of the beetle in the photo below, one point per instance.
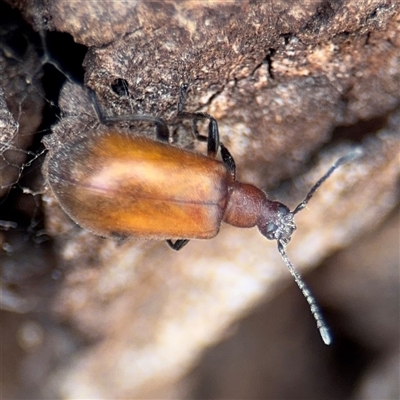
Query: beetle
(119, 184)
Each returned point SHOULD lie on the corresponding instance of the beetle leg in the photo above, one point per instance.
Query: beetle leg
(178, 244)
(228, 161)
(96, 106)
(213, 133)
(212, 138)
(162, 131)
(182, 95)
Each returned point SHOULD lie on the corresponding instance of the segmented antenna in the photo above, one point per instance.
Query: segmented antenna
(357, 152)
(315, 310)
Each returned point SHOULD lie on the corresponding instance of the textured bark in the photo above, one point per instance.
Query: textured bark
(286, 81)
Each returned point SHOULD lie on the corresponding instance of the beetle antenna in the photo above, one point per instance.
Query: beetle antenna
(342, 160)
(315, 310)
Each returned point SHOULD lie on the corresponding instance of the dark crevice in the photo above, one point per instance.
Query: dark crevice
(268, 61)
(357, 132)
(216, 94)
(61, 57)
(120, 87)
(287, 37)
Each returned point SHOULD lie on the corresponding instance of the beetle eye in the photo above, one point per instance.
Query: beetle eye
(283, 210)
(271, 227)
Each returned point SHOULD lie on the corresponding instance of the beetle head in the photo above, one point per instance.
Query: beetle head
(279, 224)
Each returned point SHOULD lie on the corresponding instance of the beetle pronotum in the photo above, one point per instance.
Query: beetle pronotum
(118, 184)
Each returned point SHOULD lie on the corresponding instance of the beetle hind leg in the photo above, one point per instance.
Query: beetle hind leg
(162, 131)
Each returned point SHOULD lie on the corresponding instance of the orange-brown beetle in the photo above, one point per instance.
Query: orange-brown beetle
(117, 184)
